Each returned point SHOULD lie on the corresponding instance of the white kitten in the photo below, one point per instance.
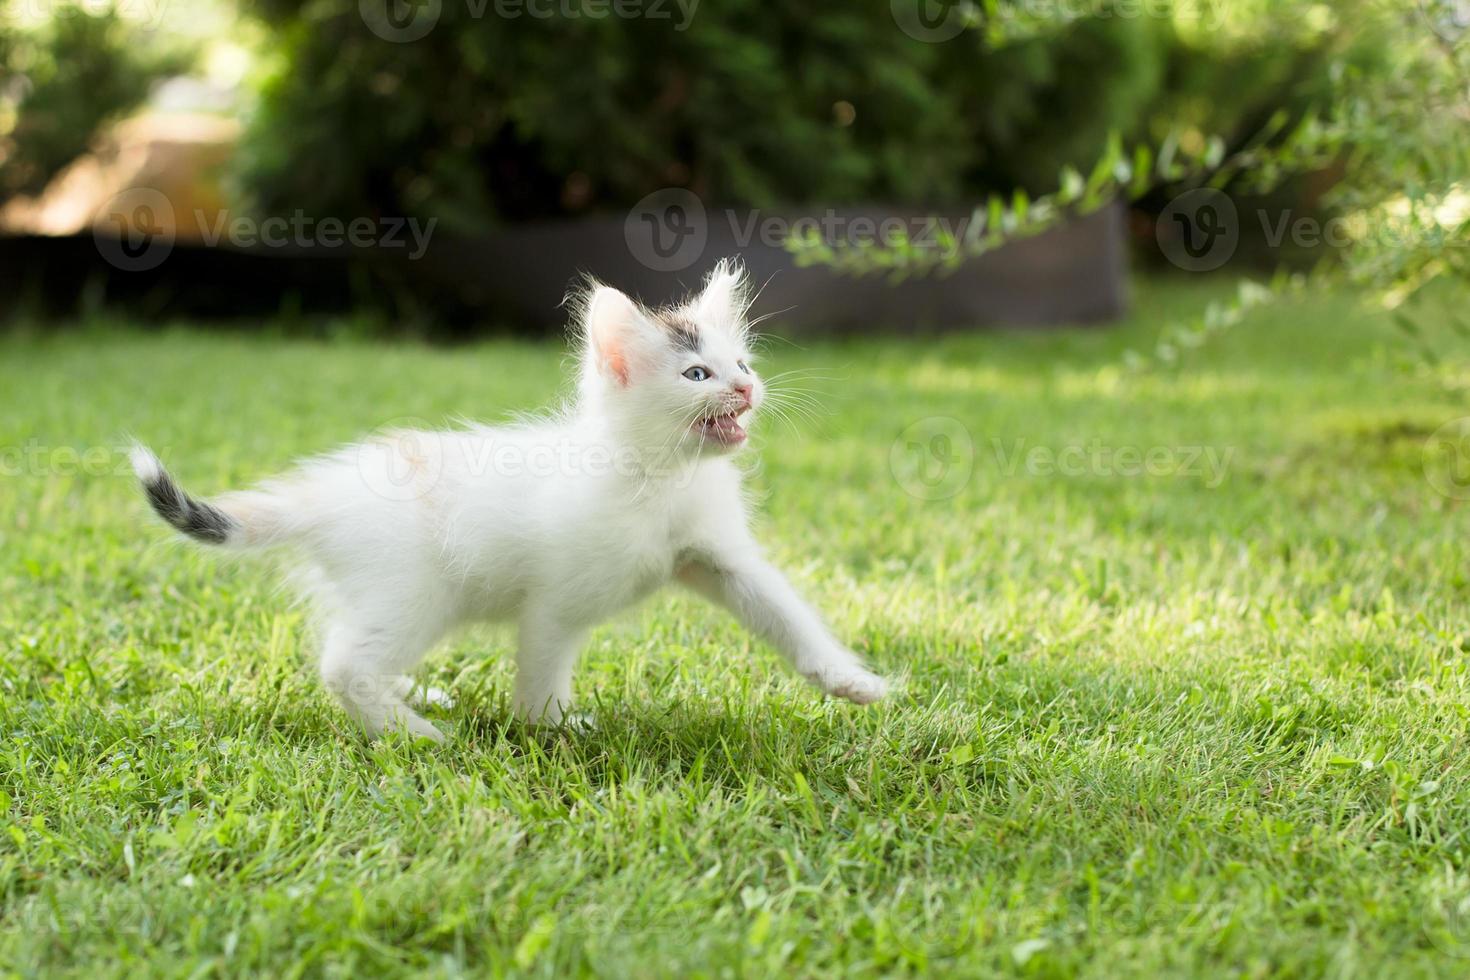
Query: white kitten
(556, 524)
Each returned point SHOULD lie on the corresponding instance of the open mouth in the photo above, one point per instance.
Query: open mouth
(727, 429)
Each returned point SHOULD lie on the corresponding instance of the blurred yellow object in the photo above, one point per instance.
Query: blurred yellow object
(178, 155)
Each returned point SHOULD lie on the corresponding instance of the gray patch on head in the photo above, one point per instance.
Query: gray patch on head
(683, 334)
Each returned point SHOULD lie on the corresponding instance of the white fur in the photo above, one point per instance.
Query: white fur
(407, 536)
(145, 464)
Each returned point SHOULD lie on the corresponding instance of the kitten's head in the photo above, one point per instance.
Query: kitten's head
(678, 378)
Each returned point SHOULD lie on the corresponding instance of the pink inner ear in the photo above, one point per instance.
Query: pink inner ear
(612, 322)
(618, 365)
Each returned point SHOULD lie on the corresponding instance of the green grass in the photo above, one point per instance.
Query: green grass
(1148, 726)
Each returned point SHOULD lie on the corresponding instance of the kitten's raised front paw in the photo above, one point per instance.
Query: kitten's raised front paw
(858, 686)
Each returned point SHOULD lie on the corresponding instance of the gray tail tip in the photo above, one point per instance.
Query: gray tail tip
(199, 520)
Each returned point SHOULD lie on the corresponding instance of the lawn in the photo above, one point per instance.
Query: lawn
(1159, 715)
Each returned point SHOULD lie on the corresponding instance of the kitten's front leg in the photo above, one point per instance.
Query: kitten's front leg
(762, 599)
(548, 652)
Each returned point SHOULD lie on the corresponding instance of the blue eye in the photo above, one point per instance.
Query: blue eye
(744, 368)
(698, 373)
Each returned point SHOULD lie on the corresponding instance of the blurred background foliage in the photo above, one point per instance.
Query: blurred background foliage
(65, 72)
(489, 119)
(754, 104)
(1358, 106)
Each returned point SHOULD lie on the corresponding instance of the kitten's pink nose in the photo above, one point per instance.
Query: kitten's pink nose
(744, 392)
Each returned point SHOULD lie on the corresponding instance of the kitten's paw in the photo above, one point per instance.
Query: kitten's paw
(578, 723)
(857, 686)
(427, 731)
(406, 722)
(432, 697)
(571, 723)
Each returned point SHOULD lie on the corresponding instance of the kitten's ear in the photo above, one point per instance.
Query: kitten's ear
(617, 332)
(725, 297)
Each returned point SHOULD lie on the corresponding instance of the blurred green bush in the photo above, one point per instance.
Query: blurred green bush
(488, 118)
(61, 80)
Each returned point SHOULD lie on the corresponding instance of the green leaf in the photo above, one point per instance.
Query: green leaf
(1142, 171)
(1072, 186)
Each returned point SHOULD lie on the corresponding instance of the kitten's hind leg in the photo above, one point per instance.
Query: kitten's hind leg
(544, 661)
(367, 669)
